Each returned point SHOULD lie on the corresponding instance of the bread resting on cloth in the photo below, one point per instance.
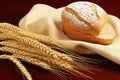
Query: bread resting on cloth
(87, 21)
(50, 24)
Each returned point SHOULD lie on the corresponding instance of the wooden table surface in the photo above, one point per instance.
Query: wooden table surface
(13, 10)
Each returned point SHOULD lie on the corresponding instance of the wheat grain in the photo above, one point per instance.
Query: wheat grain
(63, 65)
(81, 61)
(3, 30)
(4, 27)
(15, 35)
(18, 54)
(18, 64)
(50, 60)
(59, 63)
(33, 61)
(40, 63)
(36, 44)
(17, 45)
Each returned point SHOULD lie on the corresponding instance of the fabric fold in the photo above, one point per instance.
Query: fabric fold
(46, 20)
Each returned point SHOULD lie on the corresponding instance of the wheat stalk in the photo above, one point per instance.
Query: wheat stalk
(18, 64)
(31, 59)
(36, 49)
(34, 43)
(5, 27)
(40, 63)
(48, 59)
(17, 45)
(59, 63)
(44, 58)
(67, 67)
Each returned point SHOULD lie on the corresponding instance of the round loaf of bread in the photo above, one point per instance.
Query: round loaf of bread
(84, 20)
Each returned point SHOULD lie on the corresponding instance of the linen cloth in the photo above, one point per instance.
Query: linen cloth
(46, 20)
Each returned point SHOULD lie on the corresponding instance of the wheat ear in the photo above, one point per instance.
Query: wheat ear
(44, 58)
(40, 63)
(34, 43)
(17, 45)
(58, 63)
(32, 60)
(18, 64)
(49, 60)
(24, 57)
(65, 66)
(42, 38)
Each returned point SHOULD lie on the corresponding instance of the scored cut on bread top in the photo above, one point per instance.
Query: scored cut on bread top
(87, 16)
(88, 22)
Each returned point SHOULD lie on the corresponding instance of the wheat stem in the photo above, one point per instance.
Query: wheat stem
(41, 38)
(50, 60)
(30, 47)
(33, 61)
(17, 45)
(64, 66)
(18, 64)
(40, 63)
(38, 45)
(59, 63)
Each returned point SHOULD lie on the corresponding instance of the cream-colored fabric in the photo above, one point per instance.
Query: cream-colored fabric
(46, 20)
(43, 19)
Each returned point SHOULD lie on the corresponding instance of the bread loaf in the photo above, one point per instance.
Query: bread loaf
(88, 22)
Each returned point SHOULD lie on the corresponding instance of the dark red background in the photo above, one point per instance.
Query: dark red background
(13, 10)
